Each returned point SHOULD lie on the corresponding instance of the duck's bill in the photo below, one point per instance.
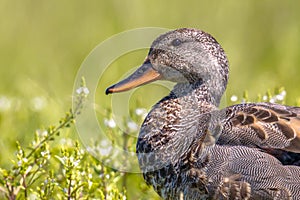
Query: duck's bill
(143, 75)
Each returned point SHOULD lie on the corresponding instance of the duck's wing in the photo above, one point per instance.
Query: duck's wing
(264, 125)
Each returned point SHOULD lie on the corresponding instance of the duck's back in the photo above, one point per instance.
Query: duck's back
(238, 170)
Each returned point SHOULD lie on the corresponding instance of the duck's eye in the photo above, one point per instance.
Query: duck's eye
(176, 42)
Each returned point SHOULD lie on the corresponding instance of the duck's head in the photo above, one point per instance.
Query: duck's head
(182, 55)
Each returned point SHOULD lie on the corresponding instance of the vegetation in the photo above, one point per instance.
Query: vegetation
(47, 171)
(44, 170)
(43, 44)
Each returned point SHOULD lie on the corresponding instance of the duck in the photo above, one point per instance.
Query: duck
(189, 148)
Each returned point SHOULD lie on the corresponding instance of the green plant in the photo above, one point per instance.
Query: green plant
(46, 171)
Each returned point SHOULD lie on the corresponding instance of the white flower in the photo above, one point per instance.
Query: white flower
(265, 98)
(83, 90)
(38, 103)
(272, 100)
(140, 111)
(76, 163)
(73, 182)
(283, 93)
(66, 142)
(20, 152)
(33, 196)
(46, 154)
(104, 143)
(5, 103)
(42, 133)
(233, 98)
(105, 151)
(71, 158)
(23, 160)
(132, 126)
(110, 123)
(279, 97)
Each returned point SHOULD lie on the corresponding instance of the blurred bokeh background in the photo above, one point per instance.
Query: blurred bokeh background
(43, 43)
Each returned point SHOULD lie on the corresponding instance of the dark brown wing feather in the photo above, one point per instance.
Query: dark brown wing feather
(264, 125)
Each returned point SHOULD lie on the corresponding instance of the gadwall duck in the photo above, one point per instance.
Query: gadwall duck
(189, 149)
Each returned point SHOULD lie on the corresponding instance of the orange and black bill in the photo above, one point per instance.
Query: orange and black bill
(143, 75)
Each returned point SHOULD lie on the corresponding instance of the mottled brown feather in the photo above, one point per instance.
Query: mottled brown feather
(259, 117)
(295, 142)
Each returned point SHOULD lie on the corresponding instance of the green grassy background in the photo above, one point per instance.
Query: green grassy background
(43, 43)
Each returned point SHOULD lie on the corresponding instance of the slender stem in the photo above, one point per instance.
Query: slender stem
(56, 130)
(33, 177)
(51, 134)
(69, 189)
(11, 195)
(25, 186)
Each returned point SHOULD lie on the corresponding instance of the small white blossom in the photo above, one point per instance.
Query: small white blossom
(105, 151)
(66, 142)
(46, 154)
(38, 103)
(265, 98)
(42, 133)
(279, 97)
(140, 111)
(5, 103)
(23, 160)
(104, 143)
(20, 152)
(104, 148)
(83, 90)
(233, 98)
(272, 100)
(33, 196)
(73, 182)
(71, 159)
(90, 184)
(76, 163)
(82, 151)
(283, 93)
(132, 126)
(110, 123)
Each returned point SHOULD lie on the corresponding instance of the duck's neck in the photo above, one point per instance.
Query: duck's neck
(209, 91)
(216, 87)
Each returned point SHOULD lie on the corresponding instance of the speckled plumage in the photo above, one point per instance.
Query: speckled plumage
(189, 149)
